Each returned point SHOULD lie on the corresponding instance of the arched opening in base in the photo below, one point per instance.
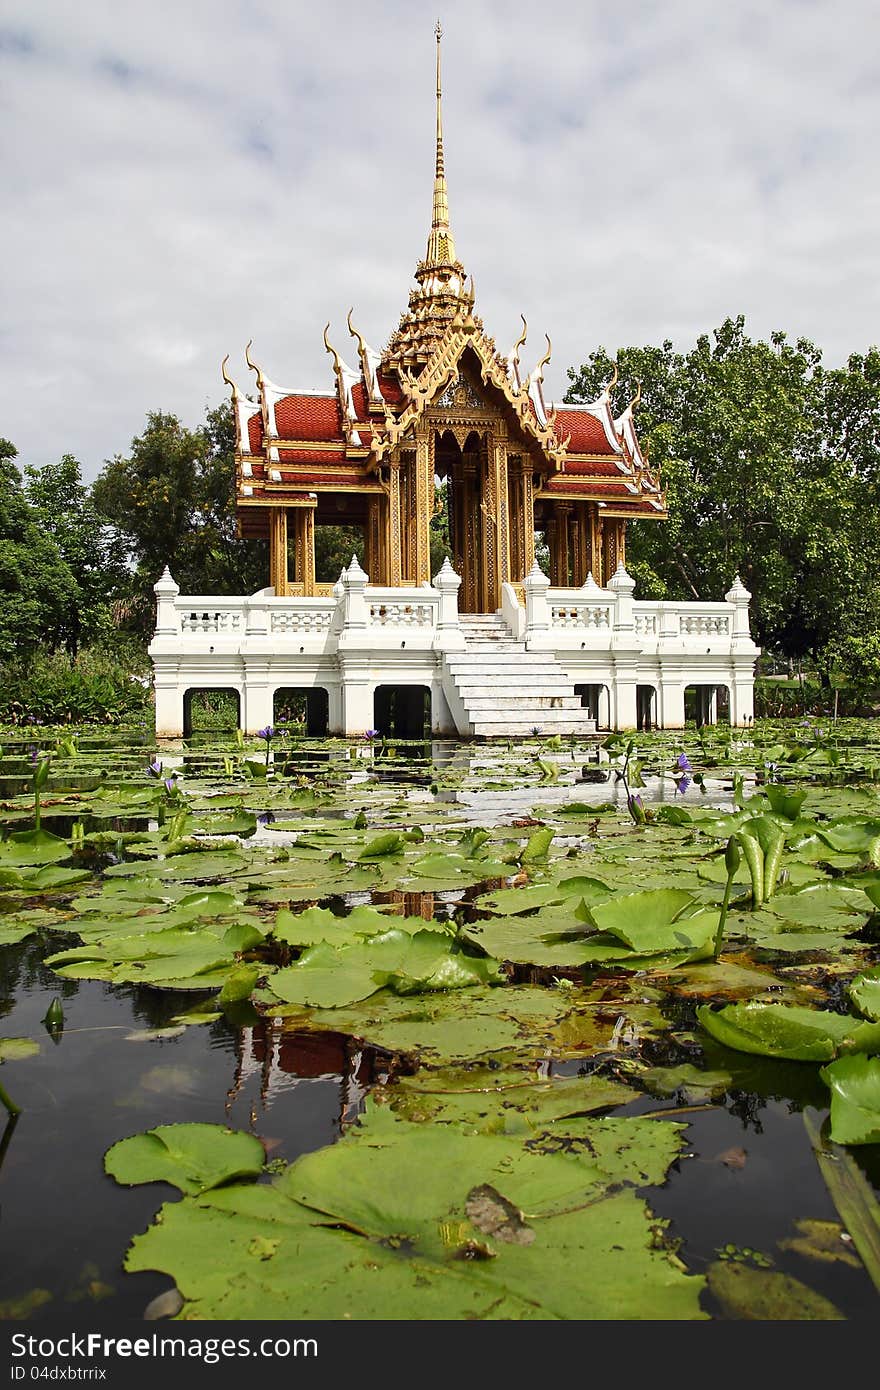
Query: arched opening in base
(302, 710)
(706, 704)
(646, 707)
(402, 711)
(211, 710)
(597, 700)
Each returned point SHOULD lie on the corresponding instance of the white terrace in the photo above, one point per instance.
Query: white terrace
(552, 659)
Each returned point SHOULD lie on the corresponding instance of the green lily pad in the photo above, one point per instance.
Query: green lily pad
(15, 1049)
(766, 1295)
(865, 994)
(789, 1030)
(32, 847)
(192, 1157)
(327, 976)
(855, 1099)
(425, 1222)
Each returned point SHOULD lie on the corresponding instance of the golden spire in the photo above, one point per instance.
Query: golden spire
(441, 247)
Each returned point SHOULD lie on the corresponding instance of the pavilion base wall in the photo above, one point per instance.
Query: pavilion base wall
(634, 660)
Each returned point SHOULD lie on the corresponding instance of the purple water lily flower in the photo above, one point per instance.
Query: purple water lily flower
(684, 762)
(32, 753)
(268, 733)
(636, 807)
(371, 733)
(155, 769)
(170, 785)
(682, 785)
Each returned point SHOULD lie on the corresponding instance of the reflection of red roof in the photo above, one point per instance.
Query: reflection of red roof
(587, 434)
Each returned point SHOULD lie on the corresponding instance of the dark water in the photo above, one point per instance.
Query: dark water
(65, 1225)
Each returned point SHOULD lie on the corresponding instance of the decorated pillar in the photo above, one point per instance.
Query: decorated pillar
(278, 550)
(394, 530)
(422, 505)
(557, 537)
(470, 514)
(373, 541)
(304, 549)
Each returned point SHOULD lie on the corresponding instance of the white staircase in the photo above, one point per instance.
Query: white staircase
(495, 688)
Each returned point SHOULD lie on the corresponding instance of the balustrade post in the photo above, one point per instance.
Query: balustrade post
(535, 586)
(622, 585)
(739, 596)
(167, 617)
(355, 614)
(447, 583)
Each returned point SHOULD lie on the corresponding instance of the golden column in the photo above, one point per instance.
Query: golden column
(278, 550)
(394, 528)
(596, 565)
(557, 537)
(422, 504)
(373, 543)
(493, 508)
(304, 549)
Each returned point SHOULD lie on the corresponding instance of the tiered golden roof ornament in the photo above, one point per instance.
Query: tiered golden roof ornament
(294, 440)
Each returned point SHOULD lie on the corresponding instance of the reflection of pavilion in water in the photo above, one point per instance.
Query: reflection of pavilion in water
(280, 1058)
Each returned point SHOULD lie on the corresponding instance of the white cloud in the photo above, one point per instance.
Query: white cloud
(180, 178)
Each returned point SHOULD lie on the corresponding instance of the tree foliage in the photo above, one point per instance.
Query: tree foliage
(771, 464)
(38, 591)
(172, 502)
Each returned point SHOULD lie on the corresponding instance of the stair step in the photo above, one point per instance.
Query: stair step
(517, 705)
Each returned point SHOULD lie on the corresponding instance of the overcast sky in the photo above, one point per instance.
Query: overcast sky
(183, 175)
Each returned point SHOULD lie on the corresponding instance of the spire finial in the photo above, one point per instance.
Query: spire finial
(441, 248)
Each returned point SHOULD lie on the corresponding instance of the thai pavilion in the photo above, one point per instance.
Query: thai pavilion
(492, 646)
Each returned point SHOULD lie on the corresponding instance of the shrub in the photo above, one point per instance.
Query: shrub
(94, 688)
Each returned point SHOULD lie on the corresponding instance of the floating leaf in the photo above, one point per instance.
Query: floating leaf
(192, 1157)
(766, 1296)
(398, 1216)
(15, 1049)
(855, 1099)
(865, 994)
(789, 1030)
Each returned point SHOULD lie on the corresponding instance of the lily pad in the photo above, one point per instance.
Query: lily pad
(15, 1049)
(417, 1222)
(192, 1157)
(327, 976)
(767, 1296)
(855, 1099)
(789, 1030)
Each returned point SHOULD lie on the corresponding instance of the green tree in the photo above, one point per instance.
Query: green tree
(756, 446)
(172, 502)
(37, 589)
(63, 507)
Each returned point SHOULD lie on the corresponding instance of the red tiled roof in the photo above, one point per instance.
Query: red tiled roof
(587, 434)
(255, 433)
(308, 417)
(318, 456)
(390, 389)
(360, 401)
(591, 468)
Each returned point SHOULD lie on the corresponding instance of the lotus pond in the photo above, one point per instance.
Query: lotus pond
(328, 1029)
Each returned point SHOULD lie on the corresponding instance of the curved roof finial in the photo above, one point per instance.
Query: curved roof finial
(614, 380)
(228, 379)
(538, 373)
(514, 354)
(258, 371)
(636, 400)
(337, 361)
